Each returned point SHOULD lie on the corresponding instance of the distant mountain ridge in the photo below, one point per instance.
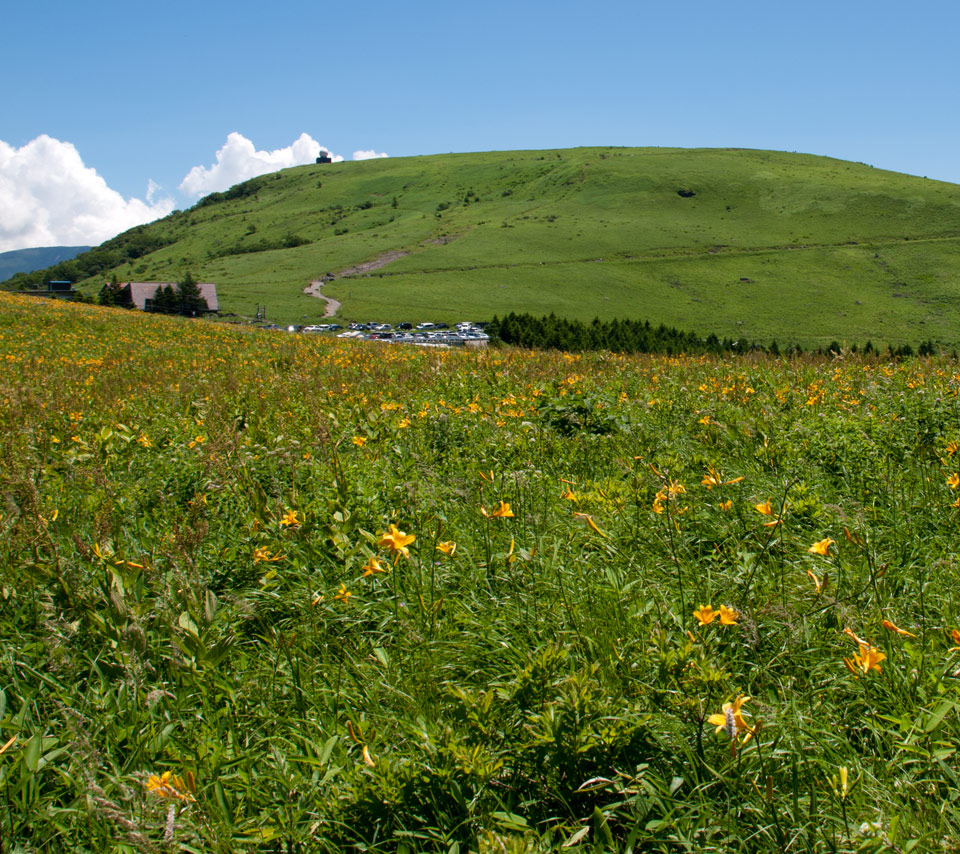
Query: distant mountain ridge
(37, 258)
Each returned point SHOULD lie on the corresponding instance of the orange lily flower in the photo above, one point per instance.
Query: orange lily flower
(822, 547)
(890, 627)
(397, 541)
(705, 614)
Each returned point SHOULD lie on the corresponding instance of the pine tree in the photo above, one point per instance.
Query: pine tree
(110, 292)
(190, 300)
(165, 300)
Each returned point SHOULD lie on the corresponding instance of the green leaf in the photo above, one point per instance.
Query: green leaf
(510, 821)
(209, 606)
(603, 828)
(31, 752)
(328, 746)
(188, 625)
(221, 798)
(937, 717)
(577, 837)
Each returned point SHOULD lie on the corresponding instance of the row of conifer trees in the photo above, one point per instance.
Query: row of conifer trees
(639, 336)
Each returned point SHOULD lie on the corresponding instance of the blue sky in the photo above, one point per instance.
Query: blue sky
(146, 93)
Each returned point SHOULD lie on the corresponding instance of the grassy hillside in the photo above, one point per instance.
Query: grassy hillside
(753, 244)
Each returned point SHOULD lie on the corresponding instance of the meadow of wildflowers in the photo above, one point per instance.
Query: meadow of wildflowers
(266, 593)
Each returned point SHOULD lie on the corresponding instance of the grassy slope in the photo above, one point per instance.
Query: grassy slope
(831, 249)
(161, 613)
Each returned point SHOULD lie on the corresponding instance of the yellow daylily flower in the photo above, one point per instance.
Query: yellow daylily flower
(890, 627)
(705, 614)
(448, 548)
(728, 617)
(765, 508)
(372, 567)
(290, 519)
(502, 512)
(731, 719)
(819, 583)
(397, 541)
(822, 547)
(713, 478)
(591, 524)
(868, 658)
(855, 638)
(167, 785)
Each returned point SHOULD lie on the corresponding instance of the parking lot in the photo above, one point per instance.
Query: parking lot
(427, 334)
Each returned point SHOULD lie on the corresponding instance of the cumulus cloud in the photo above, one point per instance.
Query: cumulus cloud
(238, 161)
(368, 155)
(48, 197)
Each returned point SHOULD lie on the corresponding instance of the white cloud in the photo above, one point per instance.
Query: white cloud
(368, 155)
(239, 161)
(152, 189)
(48, 197)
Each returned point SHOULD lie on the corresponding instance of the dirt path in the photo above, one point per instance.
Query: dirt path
(333, 306)
(375, 264)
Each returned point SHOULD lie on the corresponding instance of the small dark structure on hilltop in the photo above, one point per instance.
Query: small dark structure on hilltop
(324, 157)
(54, 290)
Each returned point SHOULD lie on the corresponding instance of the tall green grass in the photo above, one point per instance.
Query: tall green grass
(194, 580)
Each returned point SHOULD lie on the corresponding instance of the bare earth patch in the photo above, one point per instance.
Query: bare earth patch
(375, 264)
(333, 306)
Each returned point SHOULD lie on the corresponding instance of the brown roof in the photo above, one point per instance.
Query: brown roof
(140, 292)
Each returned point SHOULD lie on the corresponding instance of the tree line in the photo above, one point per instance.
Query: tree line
(640, 336)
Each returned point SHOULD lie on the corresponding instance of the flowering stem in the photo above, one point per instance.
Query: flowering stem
(843, 810)
(676, 560)
(769, 778)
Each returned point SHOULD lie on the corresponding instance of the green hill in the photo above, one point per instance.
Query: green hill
(751, 244)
